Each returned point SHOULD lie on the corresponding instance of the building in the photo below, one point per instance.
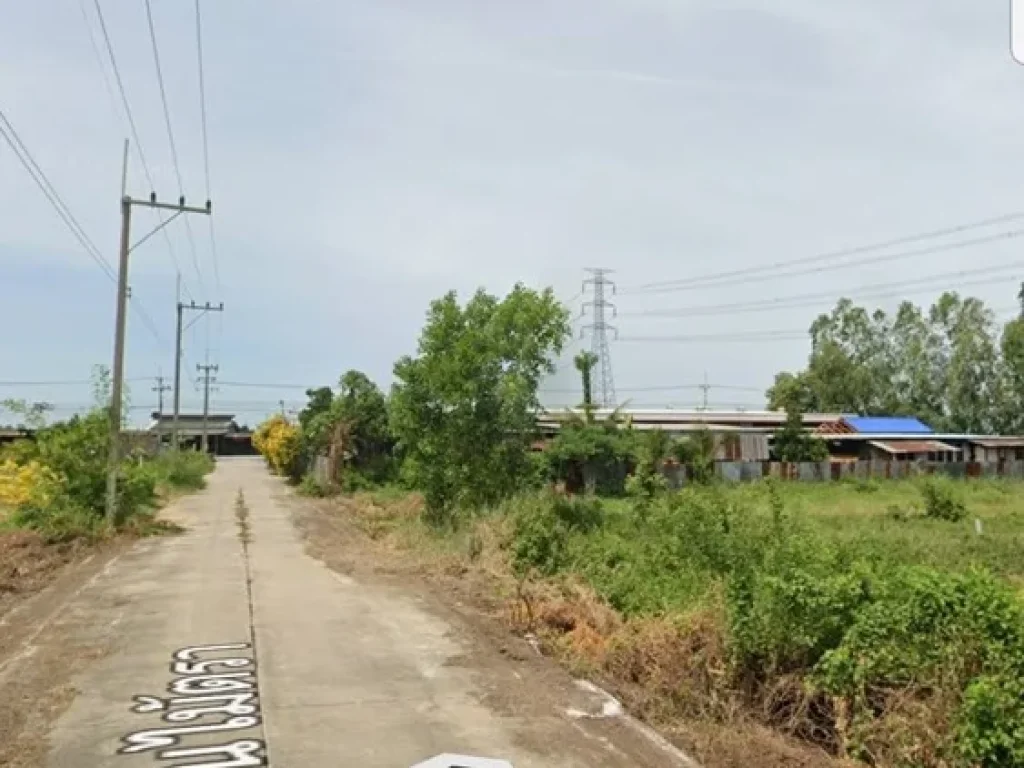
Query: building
(995, 450)
(224, 436)
(885, 438)
(738, 435)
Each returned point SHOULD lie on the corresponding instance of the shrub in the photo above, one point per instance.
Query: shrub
(929, 630)
(184, 470)
(310, 486)
(943, 500)
(542, 526)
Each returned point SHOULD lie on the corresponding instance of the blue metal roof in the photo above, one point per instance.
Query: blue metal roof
(892, 425)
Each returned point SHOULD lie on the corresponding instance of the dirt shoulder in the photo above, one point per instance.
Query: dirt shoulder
(39, 654)
(480, 596)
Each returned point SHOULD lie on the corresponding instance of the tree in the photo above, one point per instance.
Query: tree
(590, 454)
(1011, 416)
(31, 415)
(463, 409)
(320, 400)
(363, 409)
(944, 366)
(585, 362)
(792, 442)
(696, 452)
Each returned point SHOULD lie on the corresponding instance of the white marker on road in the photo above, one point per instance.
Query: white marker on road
(462, 761)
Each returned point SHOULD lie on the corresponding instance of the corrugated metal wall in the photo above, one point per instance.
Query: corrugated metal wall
(748, 471)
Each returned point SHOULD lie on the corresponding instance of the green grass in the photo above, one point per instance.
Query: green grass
(885, 521)
(836, 594)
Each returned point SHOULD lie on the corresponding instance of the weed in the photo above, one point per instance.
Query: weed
(943, 500)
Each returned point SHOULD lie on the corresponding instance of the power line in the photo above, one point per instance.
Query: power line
(206, 140)
(163, 95)
(262, 385)
(39, 177)
(662, 388)
(827, 256)
(170, 133)
(884, 290)
(135, 136)
(124, 95)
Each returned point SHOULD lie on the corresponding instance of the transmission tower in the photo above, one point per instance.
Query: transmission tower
(604, 384)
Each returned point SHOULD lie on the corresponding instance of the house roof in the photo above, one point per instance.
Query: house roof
(895, 447)
(670, 417)
(867, 425)
(999, 442)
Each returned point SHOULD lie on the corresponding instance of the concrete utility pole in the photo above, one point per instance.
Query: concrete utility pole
(705, 387)
(202, 309)
(206, 370)
(117, 383)
(160, 388)
(281, 402)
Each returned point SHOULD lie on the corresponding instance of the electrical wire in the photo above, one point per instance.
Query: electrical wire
(822, 257)
(170, 133)
(262, 386)
(884, 290)
(39, 177)
(206, 139)
(23, 154)
(135, 136)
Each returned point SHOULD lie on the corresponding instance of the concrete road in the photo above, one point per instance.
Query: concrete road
(230, 646)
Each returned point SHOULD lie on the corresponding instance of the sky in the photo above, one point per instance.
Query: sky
(366, 156)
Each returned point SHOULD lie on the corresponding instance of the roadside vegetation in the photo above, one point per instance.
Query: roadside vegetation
(879, 621)
(53, 484)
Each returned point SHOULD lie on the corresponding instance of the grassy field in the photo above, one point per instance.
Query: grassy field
(843, 614)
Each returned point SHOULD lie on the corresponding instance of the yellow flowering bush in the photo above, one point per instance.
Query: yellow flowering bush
(277, 439)
(23, 483)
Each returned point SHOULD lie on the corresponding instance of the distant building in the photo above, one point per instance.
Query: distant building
(224, 436)
(885, 438)
(993, 449)
(738, 435)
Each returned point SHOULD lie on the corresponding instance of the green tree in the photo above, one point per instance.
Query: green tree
(696, 452)
(1011, 416)
(320, 400)
(30, 415)
(596, 454)
(793, 443)
(793, 390)
(585, 362)
(944, 366)
(363, 408)
(972, 368)
(463, 409)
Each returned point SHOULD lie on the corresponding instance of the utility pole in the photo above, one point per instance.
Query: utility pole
(206, 370)
(202, 309)
(160, 388)
(705, 388)
(1020, 296)
(126, 248)
(281, 402)
(599, 333)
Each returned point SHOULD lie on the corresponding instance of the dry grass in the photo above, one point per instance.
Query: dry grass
(669, 671)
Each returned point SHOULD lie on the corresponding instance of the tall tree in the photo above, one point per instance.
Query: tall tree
(463, 409)
(944, 366)
(585, 362)
(1011, 416)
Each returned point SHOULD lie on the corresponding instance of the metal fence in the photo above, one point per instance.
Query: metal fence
(827, 471)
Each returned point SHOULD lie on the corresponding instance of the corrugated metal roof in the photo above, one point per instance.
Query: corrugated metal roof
(913, 446)
(999, 442)
(867, 425)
